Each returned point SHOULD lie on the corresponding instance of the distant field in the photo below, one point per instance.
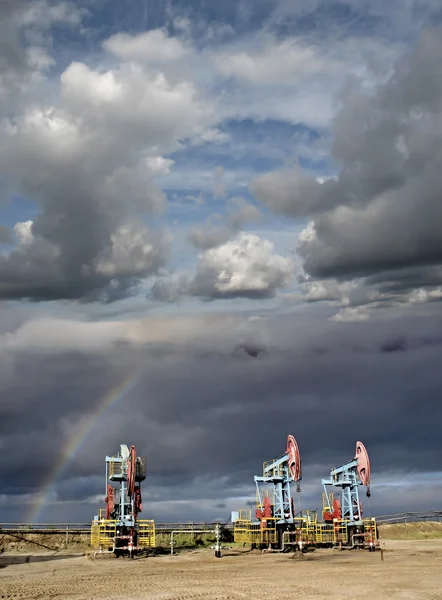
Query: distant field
(34, 542)
(425, 530)
(186, 540)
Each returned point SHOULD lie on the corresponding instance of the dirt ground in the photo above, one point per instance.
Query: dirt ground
(410, 570)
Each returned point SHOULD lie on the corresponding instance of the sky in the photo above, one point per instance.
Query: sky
(220, 224)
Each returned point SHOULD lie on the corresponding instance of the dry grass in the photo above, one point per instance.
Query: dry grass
(426, 530)
(35, 542)
(185, 540)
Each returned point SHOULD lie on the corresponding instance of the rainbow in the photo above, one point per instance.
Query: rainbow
(110, 399)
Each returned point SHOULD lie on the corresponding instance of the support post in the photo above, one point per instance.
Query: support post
(218, 541)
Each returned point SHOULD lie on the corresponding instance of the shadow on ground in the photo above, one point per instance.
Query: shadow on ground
(7, 560)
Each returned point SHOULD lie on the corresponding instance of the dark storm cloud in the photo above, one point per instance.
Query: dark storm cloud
(85, 170)
(406, 279)
(389, 148)
(29, 420)
(217, 416)
(13, 56)
(86, 242)
(5, 235)
(383, 212)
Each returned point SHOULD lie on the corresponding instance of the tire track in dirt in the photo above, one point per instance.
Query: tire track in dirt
(414, 570)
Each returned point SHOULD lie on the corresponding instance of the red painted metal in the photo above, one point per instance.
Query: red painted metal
(132, 469)
(110, 502)
(335, 514)
(294, 459)
(266, 512)
(138, 506)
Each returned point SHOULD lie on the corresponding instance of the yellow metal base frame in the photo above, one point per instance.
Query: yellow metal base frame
(310, 533)
(103, 533)
(247, 532)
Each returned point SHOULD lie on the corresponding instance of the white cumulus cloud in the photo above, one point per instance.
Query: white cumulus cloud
(246, 266)
(150, 46)
(23, 231)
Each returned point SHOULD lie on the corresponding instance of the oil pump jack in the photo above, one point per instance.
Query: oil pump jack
(348, 478)
(128, 470)
(348, 508)
(275, 506)
(118, 530)
(279, 526)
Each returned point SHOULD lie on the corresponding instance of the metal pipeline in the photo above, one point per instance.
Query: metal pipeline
(353, 545)
(100, 551)
(299, 543)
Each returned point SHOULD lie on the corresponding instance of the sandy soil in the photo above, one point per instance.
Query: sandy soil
(410, 570)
